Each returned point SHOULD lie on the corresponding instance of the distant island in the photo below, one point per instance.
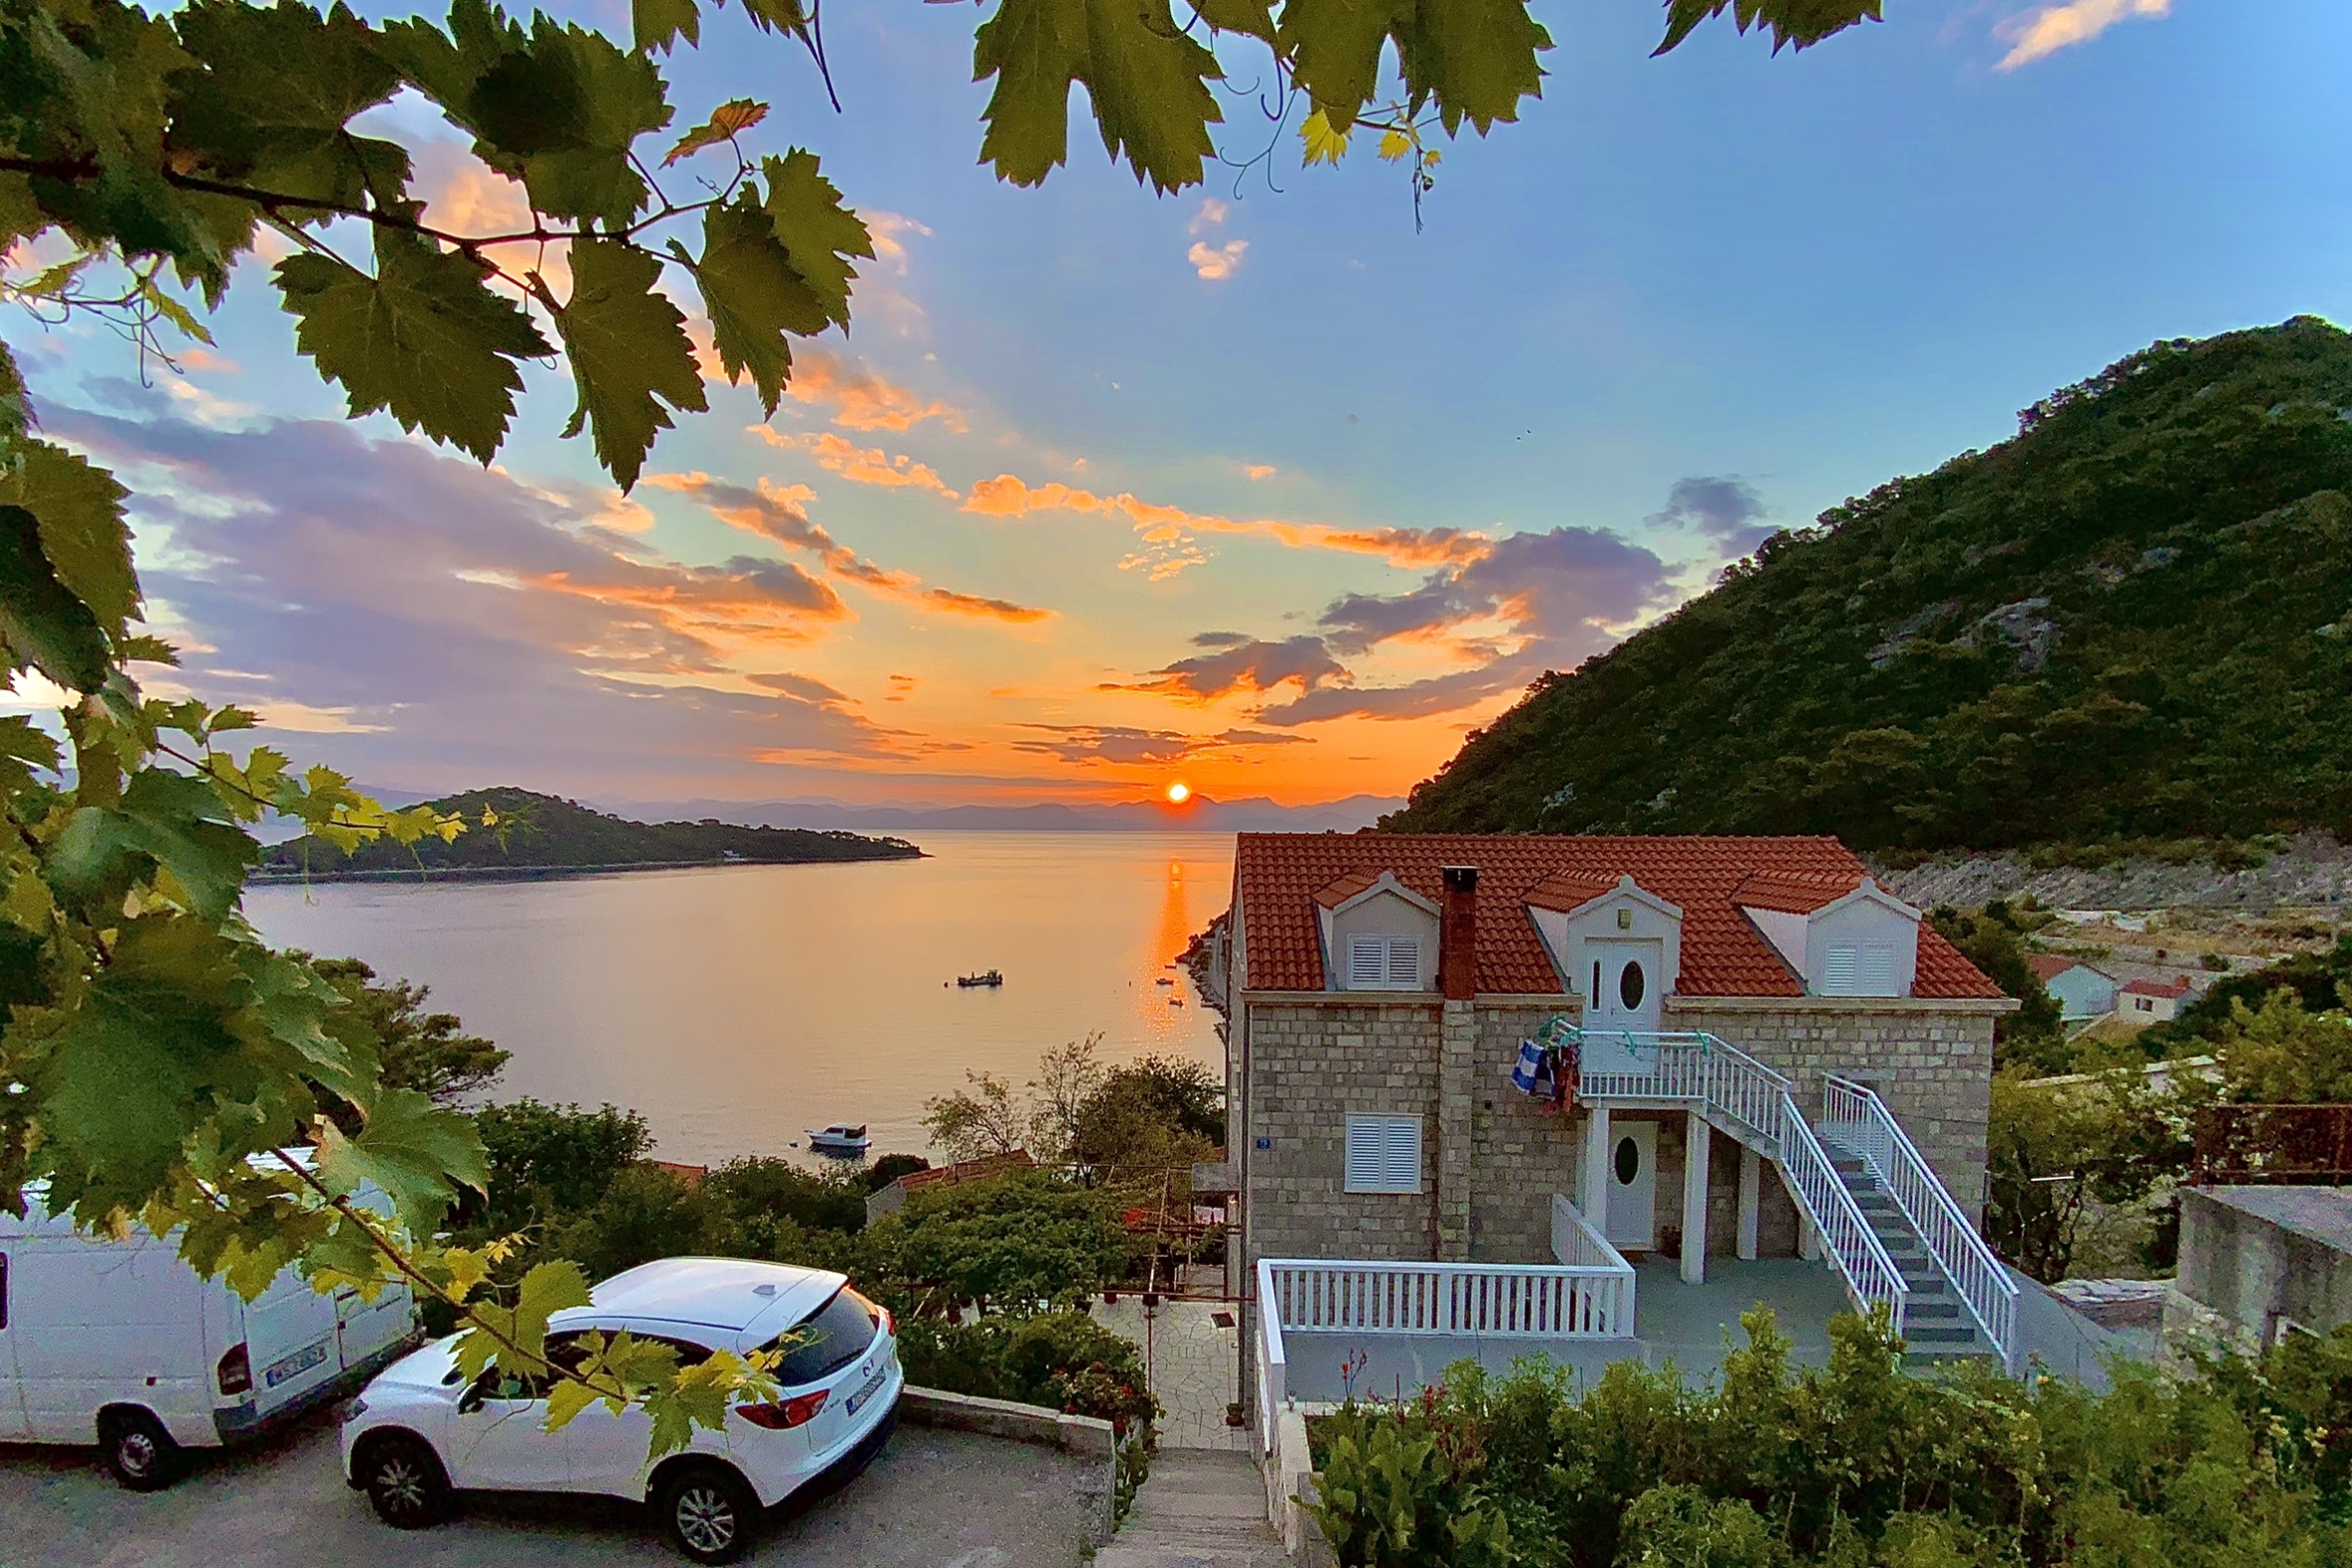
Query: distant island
(1199, 814)
(542, 835)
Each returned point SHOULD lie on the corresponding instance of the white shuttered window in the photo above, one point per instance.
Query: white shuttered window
(1383, 964)
(1879, 970)
(1837, 973)
(1384, 1154)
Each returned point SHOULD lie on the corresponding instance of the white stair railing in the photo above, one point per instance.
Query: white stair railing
(1864, 1124)
(1751, 1101)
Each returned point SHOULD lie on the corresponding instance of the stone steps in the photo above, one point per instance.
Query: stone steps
(1198, 1508)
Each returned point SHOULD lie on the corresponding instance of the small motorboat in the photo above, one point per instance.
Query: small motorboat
(839, 1138)
(1175, 1001)
(992, 978)
(1163, 981)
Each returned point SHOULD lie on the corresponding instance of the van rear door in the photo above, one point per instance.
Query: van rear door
(290, 1342)
(12, 1388)
(364, 1328)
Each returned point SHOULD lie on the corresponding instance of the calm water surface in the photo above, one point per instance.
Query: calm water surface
(737, 1006)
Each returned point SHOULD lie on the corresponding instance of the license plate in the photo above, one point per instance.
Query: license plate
(294, 1366)
(858, 1401)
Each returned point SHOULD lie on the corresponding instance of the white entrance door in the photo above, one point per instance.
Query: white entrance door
(1626, 983)
(1633, 1184)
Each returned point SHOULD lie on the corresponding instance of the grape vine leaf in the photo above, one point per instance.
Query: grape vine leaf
(424, 338)
(1334, 47)
(1803, 23)
(1474, 59)
(817, 231)
(1321, 142)
(754, 296)
(417, 1153)
(778, 16)
(657, 24)
(731, 118)
(271, 105)
(123, 1074)
(166, 821)
(43, 625)
(1253, 17)
(629, 353)
(1147, 79)
(82, 532)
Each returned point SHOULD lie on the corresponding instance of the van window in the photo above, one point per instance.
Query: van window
(832, 1337)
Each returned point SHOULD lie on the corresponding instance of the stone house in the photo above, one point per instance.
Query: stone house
(1378, 988)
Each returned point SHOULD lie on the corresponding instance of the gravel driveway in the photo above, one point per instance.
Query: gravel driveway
(933, 1500)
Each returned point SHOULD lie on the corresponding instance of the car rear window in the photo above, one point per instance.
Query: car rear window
(832, 1337)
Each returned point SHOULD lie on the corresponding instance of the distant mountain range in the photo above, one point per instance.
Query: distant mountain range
(1199, 814)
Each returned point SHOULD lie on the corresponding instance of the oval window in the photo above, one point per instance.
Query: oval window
(1629, 1161)
(1630, 986)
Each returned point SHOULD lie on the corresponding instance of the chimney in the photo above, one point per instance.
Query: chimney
(1457, 936)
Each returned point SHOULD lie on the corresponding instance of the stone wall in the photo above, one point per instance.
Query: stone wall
(1492, 1158)
(2257, 1262)
(1310, 1065)
(1933, 1066)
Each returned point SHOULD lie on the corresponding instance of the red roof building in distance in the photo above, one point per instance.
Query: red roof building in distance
(2169, 990)
(1285, 885)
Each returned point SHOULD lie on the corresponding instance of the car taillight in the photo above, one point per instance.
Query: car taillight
(796, 1411)
(237, 1372)
(889, 1324)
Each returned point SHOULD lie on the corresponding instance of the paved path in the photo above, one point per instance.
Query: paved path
(1197, 1509)
(1195, 1365)
(933, 1500)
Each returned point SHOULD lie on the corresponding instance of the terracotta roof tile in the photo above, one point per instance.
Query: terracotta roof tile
(2048, 967)
(1276, 877)
(1567, 890)
(1794, 891)
(1335, 893)
(2174, 990)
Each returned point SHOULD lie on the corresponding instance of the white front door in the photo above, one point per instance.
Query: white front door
(1633, 1184)
(1626, 983)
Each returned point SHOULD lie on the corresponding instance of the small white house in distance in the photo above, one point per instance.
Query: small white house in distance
(2081, 991)
(2151, 1001)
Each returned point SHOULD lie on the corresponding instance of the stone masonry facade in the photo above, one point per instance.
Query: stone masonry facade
(1493, 1158)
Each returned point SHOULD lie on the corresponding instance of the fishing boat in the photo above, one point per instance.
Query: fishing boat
(1163, 981)
(838, 1139)
(992, 978)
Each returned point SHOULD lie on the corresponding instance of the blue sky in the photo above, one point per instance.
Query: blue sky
(1332, 489)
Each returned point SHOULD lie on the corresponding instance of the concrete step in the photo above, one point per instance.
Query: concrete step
(1197, 1509)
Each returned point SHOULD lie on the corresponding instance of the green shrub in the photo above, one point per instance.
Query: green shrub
(1064, 1360)
(550, 1160)
(756, 1186)
(1008, 1245)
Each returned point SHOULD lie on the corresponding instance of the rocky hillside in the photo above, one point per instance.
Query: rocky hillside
(2130, 623)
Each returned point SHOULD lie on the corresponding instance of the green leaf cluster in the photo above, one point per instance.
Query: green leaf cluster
(1851, 1465)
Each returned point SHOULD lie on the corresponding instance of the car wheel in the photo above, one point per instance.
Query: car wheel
(404, 1481)
(139, 1453)
(708, 1512)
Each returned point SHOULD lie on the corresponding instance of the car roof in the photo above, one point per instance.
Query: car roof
(733, 1294)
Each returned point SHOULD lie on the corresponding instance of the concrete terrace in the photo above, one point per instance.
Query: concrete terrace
(1688, 1327)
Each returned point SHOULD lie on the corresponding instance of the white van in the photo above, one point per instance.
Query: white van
(122, 1343)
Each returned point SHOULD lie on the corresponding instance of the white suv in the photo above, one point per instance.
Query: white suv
(421, 1433)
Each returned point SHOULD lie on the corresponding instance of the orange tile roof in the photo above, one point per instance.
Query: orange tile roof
(1276, 877)
(1346, 888)
(2048, 967)
(2174, 990)
(1794, 892)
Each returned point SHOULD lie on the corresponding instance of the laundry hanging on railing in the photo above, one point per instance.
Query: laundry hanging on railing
(1548, 1065)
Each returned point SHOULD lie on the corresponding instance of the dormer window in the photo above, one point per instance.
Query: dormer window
(1853, 939)
(1383, 964)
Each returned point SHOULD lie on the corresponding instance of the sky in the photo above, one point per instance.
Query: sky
(1256, 488)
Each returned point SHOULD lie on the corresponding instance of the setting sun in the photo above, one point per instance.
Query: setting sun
(1178, 793)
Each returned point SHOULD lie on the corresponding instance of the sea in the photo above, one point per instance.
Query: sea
(735, 1007)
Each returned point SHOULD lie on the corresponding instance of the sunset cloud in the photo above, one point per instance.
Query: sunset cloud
(859, 397)
(1724, 507)
(1236, 662)
(2046, 30)
(1167, 532)
(1120, 744)
(859, 465)
(441, 620)
(778, 512)
(1215, 263)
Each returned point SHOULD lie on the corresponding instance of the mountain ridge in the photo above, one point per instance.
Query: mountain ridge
(2130, 623)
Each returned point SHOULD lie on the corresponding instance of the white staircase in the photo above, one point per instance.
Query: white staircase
(1885, 1220)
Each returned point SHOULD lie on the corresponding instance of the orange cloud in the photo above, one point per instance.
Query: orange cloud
(776, 511)
(465, 196)
(1215, 263)
(2047, 29)
(859, 465)
(1259, 470)
(859, 398)
(1167, 531)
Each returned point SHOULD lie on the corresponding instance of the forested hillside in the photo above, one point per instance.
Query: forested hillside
(2132, 621)
(542, 832)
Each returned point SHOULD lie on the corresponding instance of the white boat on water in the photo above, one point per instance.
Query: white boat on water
(838, 1139)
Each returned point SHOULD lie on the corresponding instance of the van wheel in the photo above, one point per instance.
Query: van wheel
(708, 1512)
(139, 1453)
(404, 1481)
